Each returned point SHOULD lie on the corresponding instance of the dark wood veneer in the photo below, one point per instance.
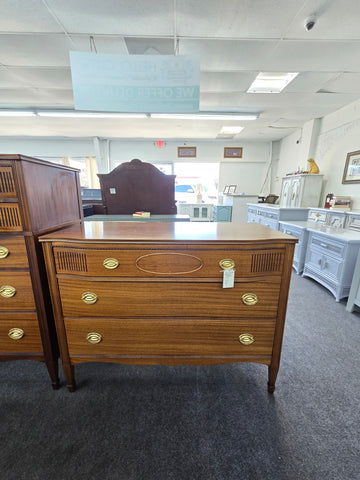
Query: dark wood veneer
(153, 316)
(36, 197)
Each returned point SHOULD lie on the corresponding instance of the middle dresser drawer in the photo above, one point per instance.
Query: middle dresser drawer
(16, 291)
(169, 299)
(164, 337)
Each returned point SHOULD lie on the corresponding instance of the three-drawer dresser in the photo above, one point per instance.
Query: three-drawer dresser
(35, 197)
(169, 293)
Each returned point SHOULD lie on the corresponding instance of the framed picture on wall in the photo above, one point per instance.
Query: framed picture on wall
(186, 152)
(233, 152)
(352, 168)
(232, 189)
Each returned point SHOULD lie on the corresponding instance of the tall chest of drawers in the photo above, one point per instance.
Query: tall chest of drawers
(169, 293)
(35, 197)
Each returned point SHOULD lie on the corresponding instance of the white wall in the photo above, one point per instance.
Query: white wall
(247, 173)
(328, 141)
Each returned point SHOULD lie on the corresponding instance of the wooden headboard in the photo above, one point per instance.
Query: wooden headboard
(137, 186)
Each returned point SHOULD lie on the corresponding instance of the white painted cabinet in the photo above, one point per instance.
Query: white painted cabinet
(301, 190)
(269, 215)
(330, 259)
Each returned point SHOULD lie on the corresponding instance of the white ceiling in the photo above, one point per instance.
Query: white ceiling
(235, 40)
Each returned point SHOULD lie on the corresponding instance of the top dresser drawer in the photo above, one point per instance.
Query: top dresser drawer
(166, 262)
(317, 216)
(328, 245)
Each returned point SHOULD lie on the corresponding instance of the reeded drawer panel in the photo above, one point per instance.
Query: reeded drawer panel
(164, 337)
(170, 299)
(13, 252)
(10, 220)
(166, 263)
(7, 184)
(16, 291)
(20, 335)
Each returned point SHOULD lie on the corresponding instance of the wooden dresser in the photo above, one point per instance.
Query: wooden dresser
(169, 293)
(35, 197)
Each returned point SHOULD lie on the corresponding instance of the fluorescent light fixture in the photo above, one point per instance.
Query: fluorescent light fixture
(206, 116)
(267, 82)
(231, 130)
(16, 113)
(73, 114)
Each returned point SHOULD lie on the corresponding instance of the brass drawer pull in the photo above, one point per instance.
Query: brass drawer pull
(89, 298)
(249, 299)
(7, 291)
(110, 263)
(227, 264)
(4, 252)
(93, 337)
(246, 338)
(16, 333)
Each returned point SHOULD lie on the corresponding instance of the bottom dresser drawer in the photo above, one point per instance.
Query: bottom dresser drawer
(20, 335)
(168, 337)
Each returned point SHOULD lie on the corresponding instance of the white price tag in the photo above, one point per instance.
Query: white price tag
(228, 278)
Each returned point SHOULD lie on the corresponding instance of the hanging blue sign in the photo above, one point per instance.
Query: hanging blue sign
(135, 83)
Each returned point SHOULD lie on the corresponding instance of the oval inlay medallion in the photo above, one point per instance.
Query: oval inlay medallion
(169, 263)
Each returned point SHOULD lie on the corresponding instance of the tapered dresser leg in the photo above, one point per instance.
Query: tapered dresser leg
(272, 374)
(70, 379)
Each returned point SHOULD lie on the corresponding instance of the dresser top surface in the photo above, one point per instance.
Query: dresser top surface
(168, 232)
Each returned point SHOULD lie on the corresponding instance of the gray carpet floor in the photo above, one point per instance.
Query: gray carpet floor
(197, 423)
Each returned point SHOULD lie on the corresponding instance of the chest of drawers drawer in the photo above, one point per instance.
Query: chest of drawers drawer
(327, 246)
(123, 299)
(20, 333)
(16, 291)
(162, 337)
(318, 216)
(10, 219)
(13, 252)
(152, 262)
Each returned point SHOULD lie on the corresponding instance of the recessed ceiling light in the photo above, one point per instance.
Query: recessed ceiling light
(231, 130)
(267, 82)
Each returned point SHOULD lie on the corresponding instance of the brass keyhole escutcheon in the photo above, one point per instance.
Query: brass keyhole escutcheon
(227, 264)
(16, 333)
(7, 291)
(93, 337)
(246, 338)
(249, 299)
(110, 263)
(89, 298)
(4, 252)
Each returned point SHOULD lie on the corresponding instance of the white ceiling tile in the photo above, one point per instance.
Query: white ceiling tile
(312, 56)
(226, 81)
(121, 17)
(26, 16)
(51, 77)
(309, 82)
(344, 83)
(228, 55)
(19, 97)
(235, 19)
